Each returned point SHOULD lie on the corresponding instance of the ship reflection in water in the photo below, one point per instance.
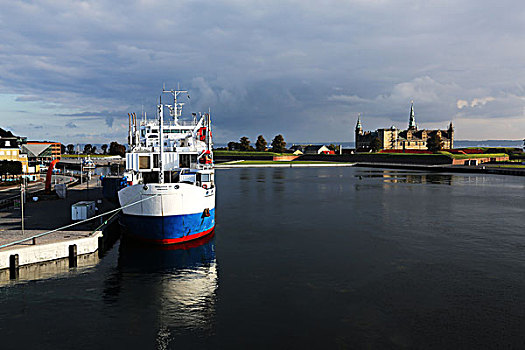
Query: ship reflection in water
(176, 283)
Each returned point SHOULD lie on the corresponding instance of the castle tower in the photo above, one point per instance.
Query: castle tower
(451, 135)
(358, 130)
(412, 121)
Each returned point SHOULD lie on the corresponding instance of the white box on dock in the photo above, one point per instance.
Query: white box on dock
(82, 210)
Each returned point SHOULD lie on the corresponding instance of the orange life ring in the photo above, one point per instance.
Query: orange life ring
(204, 186)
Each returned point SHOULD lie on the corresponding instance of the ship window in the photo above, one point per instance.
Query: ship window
(144, 162)
(150, 177)
(184, 161)
(194, 158)
(156, 160)
(205, 177)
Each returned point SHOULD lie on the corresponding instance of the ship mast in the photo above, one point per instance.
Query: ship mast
(208, 132)
(161, 142)
(176, 109)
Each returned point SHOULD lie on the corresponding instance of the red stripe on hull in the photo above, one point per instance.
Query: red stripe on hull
(176, 240)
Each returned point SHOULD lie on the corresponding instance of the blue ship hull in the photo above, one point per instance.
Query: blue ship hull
(169, 229)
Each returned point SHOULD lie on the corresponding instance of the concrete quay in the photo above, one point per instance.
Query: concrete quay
(46, 214)
(479, 169)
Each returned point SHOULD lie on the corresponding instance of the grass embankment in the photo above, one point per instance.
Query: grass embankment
(403, 154)
(506, 150)
(514, 166)
(265, 162)
(247, 154)
(470, 156)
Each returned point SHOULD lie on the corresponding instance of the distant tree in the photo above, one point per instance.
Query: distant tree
(278, 144)
(70, 149)
(234, 146)
(104, 148)
(376, 145)
(260, 144)
(434, 143)
(244, 143)
(87, 148)
(62, 149)
(93, 149)
(116, 149)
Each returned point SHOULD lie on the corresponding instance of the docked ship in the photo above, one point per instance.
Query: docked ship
(170, 197)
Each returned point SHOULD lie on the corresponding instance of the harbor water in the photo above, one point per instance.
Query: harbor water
(304, 258)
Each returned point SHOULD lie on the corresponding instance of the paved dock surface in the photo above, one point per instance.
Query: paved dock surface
(32, 187)
(49, 213)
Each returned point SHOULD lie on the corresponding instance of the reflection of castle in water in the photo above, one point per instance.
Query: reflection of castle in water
(437, 179)
(176, 283)
(394, 176)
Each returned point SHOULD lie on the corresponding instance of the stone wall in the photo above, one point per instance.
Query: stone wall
(424, 159)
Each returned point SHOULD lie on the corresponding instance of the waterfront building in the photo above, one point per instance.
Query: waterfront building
(10, 149)
(317, 149)
(310, 149)
(42, 151)
(412, 138)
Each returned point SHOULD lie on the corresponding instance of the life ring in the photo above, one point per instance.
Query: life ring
(205, 186)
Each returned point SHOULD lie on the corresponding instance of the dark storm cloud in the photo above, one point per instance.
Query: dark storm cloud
(108, 116)
(302, 68)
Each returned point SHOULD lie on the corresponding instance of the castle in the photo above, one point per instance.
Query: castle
(392, 138)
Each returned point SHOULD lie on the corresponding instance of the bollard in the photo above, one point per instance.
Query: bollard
(13, 267)
(100, 246)
(34, 241)
(73, 255)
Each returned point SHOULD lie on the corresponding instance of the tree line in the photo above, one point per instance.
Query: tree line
(278, 144)
(114, 148)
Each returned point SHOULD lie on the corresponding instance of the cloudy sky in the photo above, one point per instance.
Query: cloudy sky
(72, 70)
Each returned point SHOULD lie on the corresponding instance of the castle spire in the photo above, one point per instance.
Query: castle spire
(358, 125)
(412, 121)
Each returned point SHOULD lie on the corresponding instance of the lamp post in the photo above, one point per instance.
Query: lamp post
(22, 200)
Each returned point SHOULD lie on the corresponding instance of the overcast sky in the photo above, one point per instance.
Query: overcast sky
(71, 70)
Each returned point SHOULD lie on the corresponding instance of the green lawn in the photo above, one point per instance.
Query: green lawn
(514, 166)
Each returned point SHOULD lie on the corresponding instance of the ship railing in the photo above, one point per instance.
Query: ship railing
(186, 123)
